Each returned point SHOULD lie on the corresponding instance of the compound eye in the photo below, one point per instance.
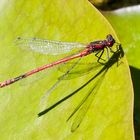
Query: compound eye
(109, 37)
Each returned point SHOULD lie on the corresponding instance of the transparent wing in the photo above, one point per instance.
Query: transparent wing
(83, 107)
(47, 46)
(59, 80)
(84, 67)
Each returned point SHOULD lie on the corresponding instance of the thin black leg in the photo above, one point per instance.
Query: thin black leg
(100, 56)
(97, 53)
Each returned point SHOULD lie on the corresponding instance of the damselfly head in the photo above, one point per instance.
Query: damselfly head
(110, 40)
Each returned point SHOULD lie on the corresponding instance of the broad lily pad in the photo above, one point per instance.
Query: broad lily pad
(97, 104)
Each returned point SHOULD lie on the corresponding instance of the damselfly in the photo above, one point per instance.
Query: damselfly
(57, 47)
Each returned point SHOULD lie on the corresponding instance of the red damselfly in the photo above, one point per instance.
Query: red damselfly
(57, 47)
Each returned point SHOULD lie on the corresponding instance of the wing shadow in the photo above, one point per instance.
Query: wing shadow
(114, 59)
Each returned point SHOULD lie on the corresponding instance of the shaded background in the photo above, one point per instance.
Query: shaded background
(113, 4)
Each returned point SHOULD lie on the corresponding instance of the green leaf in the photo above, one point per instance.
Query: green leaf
(93, 105)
